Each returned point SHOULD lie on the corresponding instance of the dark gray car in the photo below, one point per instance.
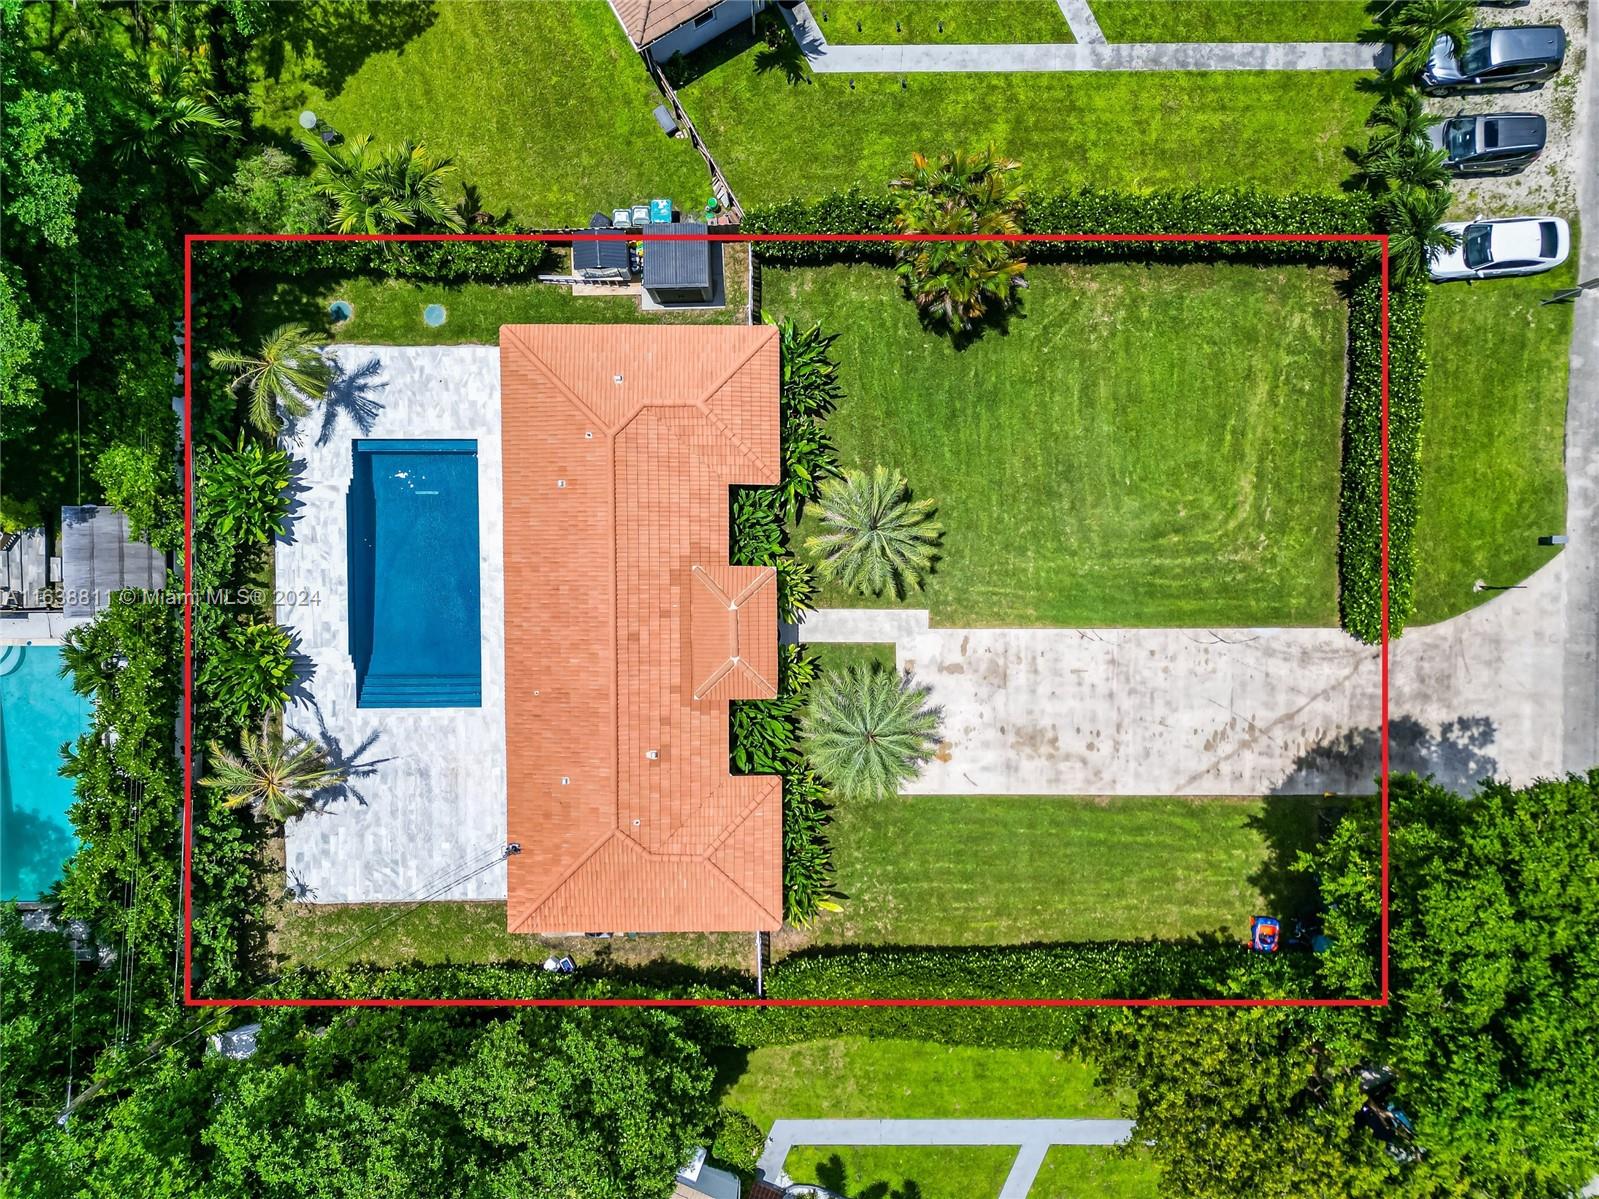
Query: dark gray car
(1515, 58)
(1489, 143)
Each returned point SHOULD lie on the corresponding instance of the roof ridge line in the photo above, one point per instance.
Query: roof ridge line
(746, 811)
(565, 877)
(767, 574)
(571, 396)
(703, 403)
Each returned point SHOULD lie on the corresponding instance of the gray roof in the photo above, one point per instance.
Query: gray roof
(678, 263)
(99, 557)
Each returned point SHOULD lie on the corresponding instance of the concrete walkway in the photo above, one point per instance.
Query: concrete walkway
(1033, 1137)
(1579, 694)
(1084, 25)
(826, 58)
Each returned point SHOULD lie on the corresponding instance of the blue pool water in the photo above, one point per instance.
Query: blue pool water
(414, 588)
(39, 713)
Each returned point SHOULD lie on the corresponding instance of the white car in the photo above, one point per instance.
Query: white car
(1515, 245)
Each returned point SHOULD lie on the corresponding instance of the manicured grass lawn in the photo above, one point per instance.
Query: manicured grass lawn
(903, 1171)
(841, 655)
(1231, 20)
(1493, 437)
(1134, 129)
(389, 311)
(859, 1078)
(1145, 446)
(964, 21)
(1094, 1172)
(544, 106)
(1004, 870)
(441, 933)
(853, 1077)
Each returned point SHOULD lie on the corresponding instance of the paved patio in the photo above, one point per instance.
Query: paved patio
(426, 802)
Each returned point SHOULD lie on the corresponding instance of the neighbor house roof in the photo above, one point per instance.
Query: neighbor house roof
(646, 20)
(100, 556)
(628, 634)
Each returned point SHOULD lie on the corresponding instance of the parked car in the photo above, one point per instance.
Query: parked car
(1514, 58)
(1517, 245)
(1489, 143)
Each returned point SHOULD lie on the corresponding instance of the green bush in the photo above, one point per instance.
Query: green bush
(435, 261)
(738, 1144)
(18, 514)
(142, 482)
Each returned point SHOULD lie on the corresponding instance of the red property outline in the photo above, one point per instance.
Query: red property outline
(189, 997)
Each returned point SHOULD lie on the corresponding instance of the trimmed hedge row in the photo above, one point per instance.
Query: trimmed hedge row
(438, 261)
(1235, 211)
(1360, 499)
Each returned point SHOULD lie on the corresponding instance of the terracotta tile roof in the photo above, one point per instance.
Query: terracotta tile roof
(646, 20)
(627, 633)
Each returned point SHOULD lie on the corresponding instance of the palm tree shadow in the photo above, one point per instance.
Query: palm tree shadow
(352, 393)
(353, 764)
(294, 491)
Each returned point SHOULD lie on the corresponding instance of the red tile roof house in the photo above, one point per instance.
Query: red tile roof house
(628, 634)
(662, 28)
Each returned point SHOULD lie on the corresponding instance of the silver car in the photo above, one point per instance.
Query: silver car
(1517, 245)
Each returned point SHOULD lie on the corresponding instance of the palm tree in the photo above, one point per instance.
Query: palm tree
(1412, 217)
(176, 124)
(276, 775)
(960, 193)
(1400, 119)
(1414, 26)
(289, 372)
(381, 191)
(1414, 165)
(867, 730)
(875, 535)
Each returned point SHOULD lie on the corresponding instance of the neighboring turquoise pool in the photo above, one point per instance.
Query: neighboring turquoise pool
(39, 713)
(415, 624)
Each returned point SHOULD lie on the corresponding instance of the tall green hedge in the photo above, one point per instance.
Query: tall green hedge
(1233, 211)
(438, 261)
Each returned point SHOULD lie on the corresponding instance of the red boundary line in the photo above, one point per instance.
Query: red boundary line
(190, 239)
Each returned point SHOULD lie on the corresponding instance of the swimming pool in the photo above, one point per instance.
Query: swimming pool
(39, 713)
(414, 587)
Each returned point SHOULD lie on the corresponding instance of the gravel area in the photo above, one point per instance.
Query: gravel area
(1550, 183)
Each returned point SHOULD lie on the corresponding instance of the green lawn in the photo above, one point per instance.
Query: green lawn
(1093, 1172)
(443, 933)
(544, 105)
(886, 1079)
(1146, 446)
(1132, 129)
(1493, 437)
(935, 21)
(1231, 20)
(389, 311)
(1004, 870)
(857, 1078)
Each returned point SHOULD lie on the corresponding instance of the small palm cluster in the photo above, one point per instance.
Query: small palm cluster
(288, 372)
(959, 193)
(1399, 160)
(383, 190)
(867, 731)
(876, 537)
(277, 776)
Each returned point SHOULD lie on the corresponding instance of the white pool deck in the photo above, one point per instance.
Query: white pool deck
(426, 800)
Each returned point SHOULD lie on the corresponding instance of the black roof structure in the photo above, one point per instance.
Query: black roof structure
(678, 264)
(599, 255)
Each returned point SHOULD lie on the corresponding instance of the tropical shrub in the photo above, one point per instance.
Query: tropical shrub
(958, 282)
(1412, 218)
(242, 494)
(18, 514)
(141, 482)
(399, 187)
(267, 194)
(866, 731)
(247, 669)
(288, 372)
(738, 1144)
(1413, 26)
(273, 774)
(796, 589)
(876, 538)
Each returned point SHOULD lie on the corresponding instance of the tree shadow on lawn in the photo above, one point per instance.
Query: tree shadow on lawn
(334, 38)
(834, 1176)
